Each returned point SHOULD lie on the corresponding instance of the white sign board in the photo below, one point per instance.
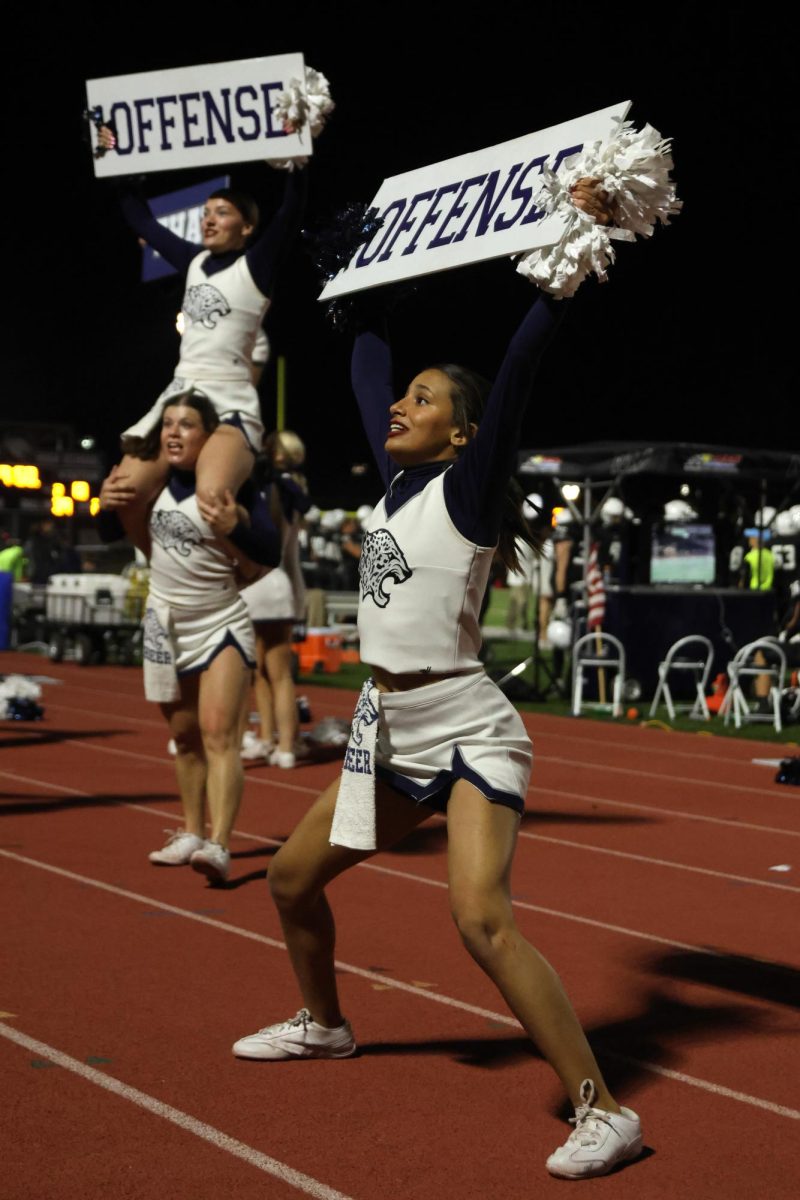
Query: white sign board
(467, 209)
(196, 116)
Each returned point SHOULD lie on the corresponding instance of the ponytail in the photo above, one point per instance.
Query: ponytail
(468, 394)
(515, 528)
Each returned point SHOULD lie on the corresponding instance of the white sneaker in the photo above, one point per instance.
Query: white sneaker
(178, 850)
(301, 1037)
(171, 747)
(213, 861)
(599, 1140)
(282, 758)
(254, 748)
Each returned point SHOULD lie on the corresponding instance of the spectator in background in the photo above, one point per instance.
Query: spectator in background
(12, 556)
(45, 552)
(533, 581)
(350, 539)
(520, 590)
(758, 569)
(613, 540)
(786, 568)
(277, 602)
(309, 565)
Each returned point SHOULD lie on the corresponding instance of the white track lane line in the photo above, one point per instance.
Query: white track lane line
(395, 873)
(663, 862)
(579, 763)
(591, 799)
(255, 1158)
(742, 788)
(537, 837)
(437, 883)
(386, 981)
(530, 837)
(665, 812)
(572, 738)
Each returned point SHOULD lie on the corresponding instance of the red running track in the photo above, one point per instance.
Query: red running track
(645, 872)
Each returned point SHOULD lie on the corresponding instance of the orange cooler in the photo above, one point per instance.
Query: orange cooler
(320, 651)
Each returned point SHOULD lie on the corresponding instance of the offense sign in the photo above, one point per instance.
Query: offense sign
(196, 116)
(477, 206)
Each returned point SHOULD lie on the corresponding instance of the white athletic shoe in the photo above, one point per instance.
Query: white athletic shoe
(282, 758)
(301, 1037)
(171, 747)
(599, 1140)
(255, 748)
(178, 850)
(213, 861)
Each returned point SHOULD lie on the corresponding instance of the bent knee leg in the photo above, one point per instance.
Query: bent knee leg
(289, 883)
(485, 925)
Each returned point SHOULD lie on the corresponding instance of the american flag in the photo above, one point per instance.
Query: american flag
(595, 591)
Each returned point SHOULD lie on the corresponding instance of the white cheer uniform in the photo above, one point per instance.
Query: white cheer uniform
(222, 317)
(280, 595)
(424, 568)
(194, 609)
(422, 584)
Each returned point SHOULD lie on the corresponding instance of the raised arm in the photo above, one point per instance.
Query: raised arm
(476, 486)
(138, 214)
(371, 376)
(265, 256)
(136, 211)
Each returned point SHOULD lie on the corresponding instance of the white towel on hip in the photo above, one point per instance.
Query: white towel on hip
(158, 654)
(354, 817)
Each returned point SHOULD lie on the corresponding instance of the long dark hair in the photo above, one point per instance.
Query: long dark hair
(149, 446)
(468, 394)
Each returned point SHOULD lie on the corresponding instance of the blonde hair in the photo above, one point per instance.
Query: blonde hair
(285, 445)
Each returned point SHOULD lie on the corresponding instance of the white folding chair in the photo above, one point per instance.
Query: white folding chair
(693, 653)
(601, 652)
(743, 666)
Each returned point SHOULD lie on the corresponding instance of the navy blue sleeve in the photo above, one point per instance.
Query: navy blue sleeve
(476, 485)
(293, 498)
(371, 376)
(177, 252)
(259, 540)
(265, 256)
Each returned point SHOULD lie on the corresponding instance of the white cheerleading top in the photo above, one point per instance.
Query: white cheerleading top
(422, 584)
(280, 595)
(222, 318)
(188, 567)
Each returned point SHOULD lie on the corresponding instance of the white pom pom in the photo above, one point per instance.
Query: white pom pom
(633, 167)
(299, 106)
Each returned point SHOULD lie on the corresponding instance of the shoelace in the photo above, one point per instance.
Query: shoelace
(587, 1121)
(175, 835)
(302, 1018)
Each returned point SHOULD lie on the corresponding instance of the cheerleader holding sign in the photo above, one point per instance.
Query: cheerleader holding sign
(229, 282)
(431, 732)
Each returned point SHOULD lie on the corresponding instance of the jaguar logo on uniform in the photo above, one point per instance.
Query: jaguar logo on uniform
(366, 714)
(204, 303)
(174, 531)
(381, 560)
(155, 639)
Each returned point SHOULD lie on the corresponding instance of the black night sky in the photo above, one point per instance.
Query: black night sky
(688, 340)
